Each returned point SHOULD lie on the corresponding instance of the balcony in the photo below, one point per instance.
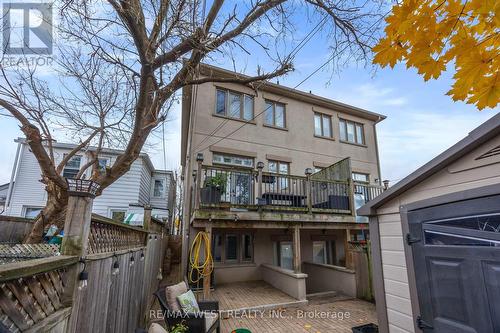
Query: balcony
(239, 189)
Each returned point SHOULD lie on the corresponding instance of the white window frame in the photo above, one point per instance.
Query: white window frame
(72, 168)
(164, 181)
(363, 174)
(219, 158)
(108, 162)
(25, 210)
(118, 209)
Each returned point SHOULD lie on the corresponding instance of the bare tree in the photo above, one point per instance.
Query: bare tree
(122, 62)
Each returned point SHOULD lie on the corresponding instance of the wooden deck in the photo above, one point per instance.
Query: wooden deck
(250, 294)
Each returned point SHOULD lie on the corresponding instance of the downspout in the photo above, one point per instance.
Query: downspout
(376, 151)
(11, 184)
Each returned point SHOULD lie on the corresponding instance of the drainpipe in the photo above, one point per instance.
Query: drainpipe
(11, 184)
(376, 151)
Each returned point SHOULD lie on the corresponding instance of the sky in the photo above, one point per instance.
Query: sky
(421, 120)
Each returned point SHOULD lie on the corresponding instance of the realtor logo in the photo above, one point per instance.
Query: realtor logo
(27, 28)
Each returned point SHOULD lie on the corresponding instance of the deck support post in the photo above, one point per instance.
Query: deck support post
(348, 256)
(352, 205)
(308, 173)
(75, 240)
(260, 167)
(198, 185)
(297, 261)
(208, 268)
(147, 217)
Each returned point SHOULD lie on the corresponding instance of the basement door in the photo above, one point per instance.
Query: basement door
(456, 257)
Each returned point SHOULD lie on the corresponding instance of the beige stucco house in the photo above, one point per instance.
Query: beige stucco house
(275, 174)
(436, 241)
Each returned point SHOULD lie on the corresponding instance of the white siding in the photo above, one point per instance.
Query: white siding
(459, 176)
(121, 193)
(27, 190)
(145, 185)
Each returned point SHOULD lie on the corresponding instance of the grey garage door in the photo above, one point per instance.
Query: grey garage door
(456, 257)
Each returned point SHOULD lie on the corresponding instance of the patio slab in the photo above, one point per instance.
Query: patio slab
(251, 295)
(337, 314)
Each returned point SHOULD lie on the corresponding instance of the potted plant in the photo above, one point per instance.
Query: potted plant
(214, 189)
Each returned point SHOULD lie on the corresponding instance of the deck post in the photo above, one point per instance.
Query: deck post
(75, 241)
(208, 268)
(352, 205)
(147, 217)
(297, 261)
(198, 185)
(308, 173)
(260, 167)
(348, 256)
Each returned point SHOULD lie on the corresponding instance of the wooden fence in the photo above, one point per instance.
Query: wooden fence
(40, 295)
(13, 229)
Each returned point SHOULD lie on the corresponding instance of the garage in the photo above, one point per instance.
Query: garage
(436, 241)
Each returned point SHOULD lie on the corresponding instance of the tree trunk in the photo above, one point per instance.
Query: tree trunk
(52, 213)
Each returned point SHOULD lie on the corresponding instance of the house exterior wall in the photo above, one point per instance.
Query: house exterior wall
(464, 174)
(296, 143)
(132, 188)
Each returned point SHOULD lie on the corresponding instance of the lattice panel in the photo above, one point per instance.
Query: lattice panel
(106, 237)
(26, 301)
(20, 252)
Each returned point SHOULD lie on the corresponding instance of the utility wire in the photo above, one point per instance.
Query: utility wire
(292, 54)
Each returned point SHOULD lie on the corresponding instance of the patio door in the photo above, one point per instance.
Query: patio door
(286, 255)
(456, 257)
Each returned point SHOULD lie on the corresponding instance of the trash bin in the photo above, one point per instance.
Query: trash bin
(368, 328)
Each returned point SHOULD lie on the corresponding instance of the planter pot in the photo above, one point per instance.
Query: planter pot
(210, 195)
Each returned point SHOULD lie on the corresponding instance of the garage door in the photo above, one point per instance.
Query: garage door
(456, 257)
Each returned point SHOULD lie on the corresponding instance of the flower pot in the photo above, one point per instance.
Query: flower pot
(210, 195)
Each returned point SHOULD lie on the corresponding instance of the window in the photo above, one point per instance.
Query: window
(351, 132)
(286, 255)
(322, 125)
(275, 114)
(319, 252)
(32, 212)
(317, 169)
(159, 188)
(217, 248)
(118, 214)
(72, 167)
(247, 247)
(233, 104)
(102, 163)
(360, 177)
(233, 160)
(282, 168)
(231, 248)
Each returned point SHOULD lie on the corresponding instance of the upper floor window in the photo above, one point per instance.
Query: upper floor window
(233, 160)
(351, 131)
(322, 125)
(275, 114)
(159, 188)
(361, 177)
(279, 167)
(233, 104)
(102, 163)
(31, 212)
(72, 167)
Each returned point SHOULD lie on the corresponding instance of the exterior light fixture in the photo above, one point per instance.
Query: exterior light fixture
(199, 157)
(82, 187)
(260, 165)
(116, 266)
(160, 275)
(386, 184)
(83, 276)
(309, 171)
(142, 255)
(132, 260)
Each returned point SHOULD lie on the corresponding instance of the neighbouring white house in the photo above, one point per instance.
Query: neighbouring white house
(141, 185)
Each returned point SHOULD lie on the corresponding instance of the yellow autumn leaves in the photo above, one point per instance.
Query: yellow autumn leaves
(430, 35)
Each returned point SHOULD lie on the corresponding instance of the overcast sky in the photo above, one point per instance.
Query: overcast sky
(421, 120)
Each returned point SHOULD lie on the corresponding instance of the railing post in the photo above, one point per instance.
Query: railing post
(352, 207)
(260, 167)
(76, 230)
(308, 173)
(199, 160)
(147, 217)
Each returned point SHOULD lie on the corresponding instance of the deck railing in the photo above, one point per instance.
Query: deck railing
(223, 187)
